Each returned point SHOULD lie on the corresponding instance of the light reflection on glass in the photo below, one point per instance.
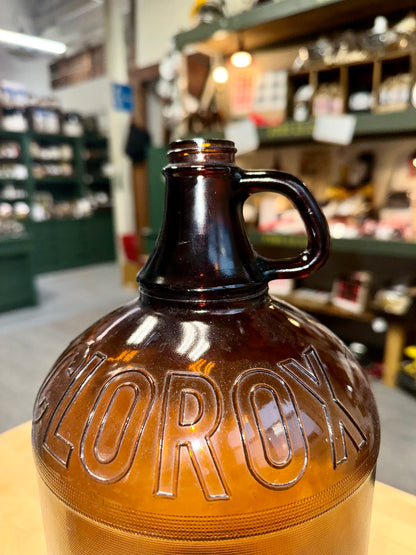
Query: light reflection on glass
(189, 333)
(199, 212)
(196, 444)
(194, 340)
(202, 366)
(143, 331)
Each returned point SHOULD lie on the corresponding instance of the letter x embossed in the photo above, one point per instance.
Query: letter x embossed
(339, 420)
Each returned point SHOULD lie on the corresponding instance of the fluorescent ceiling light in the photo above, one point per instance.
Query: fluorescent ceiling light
(34, 43)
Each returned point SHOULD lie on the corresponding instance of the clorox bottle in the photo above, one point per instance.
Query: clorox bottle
(205, 417)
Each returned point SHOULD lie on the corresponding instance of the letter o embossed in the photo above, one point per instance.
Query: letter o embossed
(107, 453)
(273, 437)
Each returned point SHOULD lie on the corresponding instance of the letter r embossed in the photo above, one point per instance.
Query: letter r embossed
(182, 433)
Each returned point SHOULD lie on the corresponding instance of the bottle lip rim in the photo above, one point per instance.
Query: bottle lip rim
(200, 144)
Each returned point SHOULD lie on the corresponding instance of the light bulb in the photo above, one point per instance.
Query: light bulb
(220, 74)
(241, 59)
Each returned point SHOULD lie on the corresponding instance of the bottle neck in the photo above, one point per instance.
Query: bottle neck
(203, 253)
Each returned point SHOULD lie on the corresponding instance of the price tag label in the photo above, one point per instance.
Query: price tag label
(334, 129)
(244, 134)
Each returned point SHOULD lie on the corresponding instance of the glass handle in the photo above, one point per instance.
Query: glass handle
(316, 225)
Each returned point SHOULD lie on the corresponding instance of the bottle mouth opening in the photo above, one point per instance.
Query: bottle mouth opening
(201, 150)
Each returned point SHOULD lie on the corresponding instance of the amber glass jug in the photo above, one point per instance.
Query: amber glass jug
(205, 417)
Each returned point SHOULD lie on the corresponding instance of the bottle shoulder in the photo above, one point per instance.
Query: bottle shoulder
(263, 330)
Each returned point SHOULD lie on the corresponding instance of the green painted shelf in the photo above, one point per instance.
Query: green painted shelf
(372, 247)
(5, 134)
(53, 137)
(250, 19)
(376, 126)
(50, 137)
(7, 199)
(279, 22)
(98, 179)
(4, 180)
(368, 125)
(68, 243)
(92, 139)
(58, 180)
(16, 272)
(52, 160)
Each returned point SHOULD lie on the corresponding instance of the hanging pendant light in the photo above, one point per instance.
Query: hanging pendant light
(220, 74)
(241, 58)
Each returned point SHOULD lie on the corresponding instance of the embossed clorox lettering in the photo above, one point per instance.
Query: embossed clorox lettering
(121, 398)
(271, 428)
(339, 420)
(192, 410)
(60, 427)
(69, 362)
(107, 451)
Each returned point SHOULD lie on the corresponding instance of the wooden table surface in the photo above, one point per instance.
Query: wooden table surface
(393, 526)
